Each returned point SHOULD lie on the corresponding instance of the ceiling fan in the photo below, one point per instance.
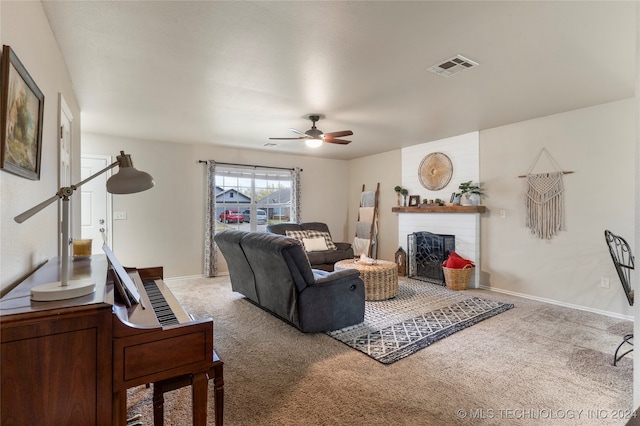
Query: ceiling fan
(314, 136)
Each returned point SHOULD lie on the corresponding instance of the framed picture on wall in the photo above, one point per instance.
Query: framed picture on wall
(414, 200)
(21, 117)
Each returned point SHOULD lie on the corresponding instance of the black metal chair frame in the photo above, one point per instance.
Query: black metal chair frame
(623, 260)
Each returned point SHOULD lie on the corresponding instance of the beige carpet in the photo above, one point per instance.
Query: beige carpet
(534, 364)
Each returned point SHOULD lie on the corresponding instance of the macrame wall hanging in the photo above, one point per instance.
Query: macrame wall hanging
(544, 200)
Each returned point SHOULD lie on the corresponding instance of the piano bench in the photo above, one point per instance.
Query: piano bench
(199, 398)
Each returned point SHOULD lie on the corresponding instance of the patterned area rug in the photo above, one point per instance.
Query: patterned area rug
(421, 314)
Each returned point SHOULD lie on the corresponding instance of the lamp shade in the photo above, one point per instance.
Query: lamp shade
(129, 180)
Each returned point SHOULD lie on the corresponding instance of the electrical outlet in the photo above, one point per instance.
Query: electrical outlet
(503, 213)
(604, 282)
(120, 215)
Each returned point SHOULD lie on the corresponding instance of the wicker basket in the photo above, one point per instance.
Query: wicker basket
(457, 279)
(380, 278)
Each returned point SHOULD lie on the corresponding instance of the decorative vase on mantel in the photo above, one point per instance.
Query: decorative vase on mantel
(471, 199)
(399, 201)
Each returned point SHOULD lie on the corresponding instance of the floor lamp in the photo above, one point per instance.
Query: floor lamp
(128, 180)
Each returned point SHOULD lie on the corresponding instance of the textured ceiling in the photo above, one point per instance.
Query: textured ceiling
(236, 73)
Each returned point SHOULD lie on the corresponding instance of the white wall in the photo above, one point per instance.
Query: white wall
(598, 145)
(636, 279)
(165, 225)
(27, 245)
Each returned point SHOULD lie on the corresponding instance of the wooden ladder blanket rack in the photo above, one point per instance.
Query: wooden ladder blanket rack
(367, 226)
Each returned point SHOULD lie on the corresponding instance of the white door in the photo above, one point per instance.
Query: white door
(65, 120)
(96, 202)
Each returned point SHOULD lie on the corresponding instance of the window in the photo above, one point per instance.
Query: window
(250, 199)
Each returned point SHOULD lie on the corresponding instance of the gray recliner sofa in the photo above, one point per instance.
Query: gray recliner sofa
(273, 272)
(319, 259)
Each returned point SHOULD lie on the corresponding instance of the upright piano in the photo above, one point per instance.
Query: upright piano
(70, 362)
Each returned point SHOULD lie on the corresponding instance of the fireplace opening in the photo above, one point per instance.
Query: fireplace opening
(427, 252)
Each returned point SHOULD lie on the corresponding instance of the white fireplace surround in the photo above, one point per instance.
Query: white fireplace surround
(464, 154)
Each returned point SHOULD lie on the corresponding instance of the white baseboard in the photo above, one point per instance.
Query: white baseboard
(188, 277)
(563, 304)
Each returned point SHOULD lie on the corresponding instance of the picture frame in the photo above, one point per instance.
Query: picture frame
(414, 200)
(21, 118)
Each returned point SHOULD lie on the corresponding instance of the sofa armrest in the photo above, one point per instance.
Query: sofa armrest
(324, 277)
(342, 246)
(335, 300)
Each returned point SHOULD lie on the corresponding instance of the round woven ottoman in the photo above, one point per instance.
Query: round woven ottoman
(380, 278)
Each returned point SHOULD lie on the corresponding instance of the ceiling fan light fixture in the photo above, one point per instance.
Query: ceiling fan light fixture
(313, 142)
(314, 137)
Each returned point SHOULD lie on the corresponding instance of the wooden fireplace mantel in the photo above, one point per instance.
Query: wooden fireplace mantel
(439, 209)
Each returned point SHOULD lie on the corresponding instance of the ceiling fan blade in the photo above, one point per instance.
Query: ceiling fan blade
(300, 133)
(338, 134)
(287, 139)
(337, 141)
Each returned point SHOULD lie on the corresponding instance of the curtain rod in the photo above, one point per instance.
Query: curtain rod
(248, 165)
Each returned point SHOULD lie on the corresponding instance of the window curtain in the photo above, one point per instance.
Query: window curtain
(210, 252)
(296, 212)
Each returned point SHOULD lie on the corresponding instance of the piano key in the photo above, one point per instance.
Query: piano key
(161, 308)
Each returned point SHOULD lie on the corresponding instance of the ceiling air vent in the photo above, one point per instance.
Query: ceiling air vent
(453, 66)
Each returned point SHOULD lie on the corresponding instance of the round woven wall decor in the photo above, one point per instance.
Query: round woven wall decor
(435, 171)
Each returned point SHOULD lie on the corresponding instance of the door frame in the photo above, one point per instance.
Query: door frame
(65, 170)
(109, 207)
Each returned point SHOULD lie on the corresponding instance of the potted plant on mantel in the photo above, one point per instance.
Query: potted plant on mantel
(402, 192)
(405, 194)
(469, 193)
(398, 190)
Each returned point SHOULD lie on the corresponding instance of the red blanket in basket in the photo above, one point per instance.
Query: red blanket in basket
(455, 261)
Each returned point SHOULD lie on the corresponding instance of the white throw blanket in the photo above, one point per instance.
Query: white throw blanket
(360, 246)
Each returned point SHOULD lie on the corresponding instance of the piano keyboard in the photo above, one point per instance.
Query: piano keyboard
(163, 311)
